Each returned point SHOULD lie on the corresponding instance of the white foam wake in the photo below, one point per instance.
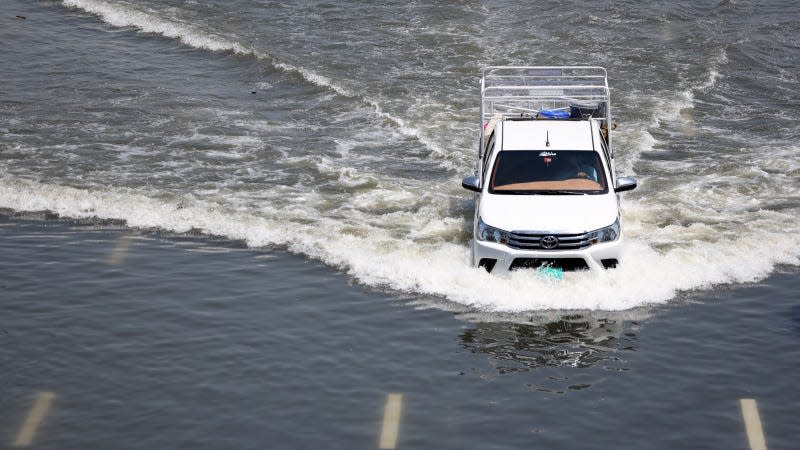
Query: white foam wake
(124, 16)
(377, 257)
(120, 15)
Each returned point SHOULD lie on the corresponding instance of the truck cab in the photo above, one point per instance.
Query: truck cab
(546, 190)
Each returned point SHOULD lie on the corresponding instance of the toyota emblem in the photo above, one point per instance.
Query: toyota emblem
(549, 242)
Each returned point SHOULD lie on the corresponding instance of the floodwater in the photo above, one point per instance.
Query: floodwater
(151, 340)
(239, 224)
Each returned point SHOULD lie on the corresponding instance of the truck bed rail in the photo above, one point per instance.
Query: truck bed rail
(527, 91)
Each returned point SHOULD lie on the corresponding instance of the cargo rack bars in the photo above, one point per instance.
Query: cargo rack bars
(526, 91)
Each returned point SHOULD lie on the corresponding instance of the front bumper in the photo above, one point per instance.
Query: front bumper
(505, 259)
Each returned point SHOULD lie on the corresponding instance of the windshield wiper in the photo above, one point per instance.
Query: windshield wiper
(555, 192)
(544, 192)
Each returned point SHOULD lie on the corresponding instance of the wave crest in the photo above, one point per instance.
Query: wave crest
(377, 257)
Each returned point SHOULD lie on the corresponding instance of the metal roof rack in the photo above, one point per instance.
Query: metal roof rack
(527, 91)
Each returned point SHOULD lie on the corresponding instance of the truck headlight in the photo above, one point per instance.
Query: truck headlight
(490, 233)
(607, 234)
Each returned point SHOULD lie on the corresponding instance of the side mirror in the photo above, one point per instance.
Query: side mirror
(625, 184)
(472, 183)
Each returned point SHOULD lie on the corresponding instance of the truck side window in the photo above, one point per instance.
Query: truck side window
(486, 152)
(606, 153)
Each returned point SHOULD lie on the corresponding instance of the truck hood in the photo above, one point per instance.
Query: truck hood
(558, 214)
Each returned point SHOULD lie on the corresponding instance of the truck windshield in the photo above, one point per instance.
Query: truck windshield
(548, 172)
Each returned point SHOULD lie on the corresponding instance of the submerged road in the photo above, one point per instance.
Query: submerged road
(120, 338)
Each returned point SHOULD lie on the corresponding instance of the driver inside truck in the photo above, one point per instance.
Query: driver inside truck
(576, 166)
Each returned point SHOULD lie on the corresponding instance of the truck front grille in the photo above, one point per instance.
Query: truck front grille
(529, 240)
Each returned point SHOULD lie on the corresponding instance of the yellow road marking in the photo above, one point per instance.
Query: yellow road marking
(35, 417)
(752, 424)
(118, 254)
(391, 421)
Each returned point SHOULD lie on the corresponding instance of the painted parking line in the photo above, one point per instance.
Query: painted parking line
(752, 424)
(35, 417)
(391, 421)
(120, 250)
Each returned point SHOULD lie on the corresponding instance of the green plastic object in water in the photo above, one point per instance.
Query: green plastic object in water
(550, 273)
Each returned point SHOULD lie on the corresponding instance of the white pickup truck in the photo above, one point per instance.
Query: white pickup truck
(545, 183)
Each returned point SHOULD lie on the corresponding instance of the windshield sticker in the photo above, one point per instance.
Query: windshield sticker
(547, 157)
